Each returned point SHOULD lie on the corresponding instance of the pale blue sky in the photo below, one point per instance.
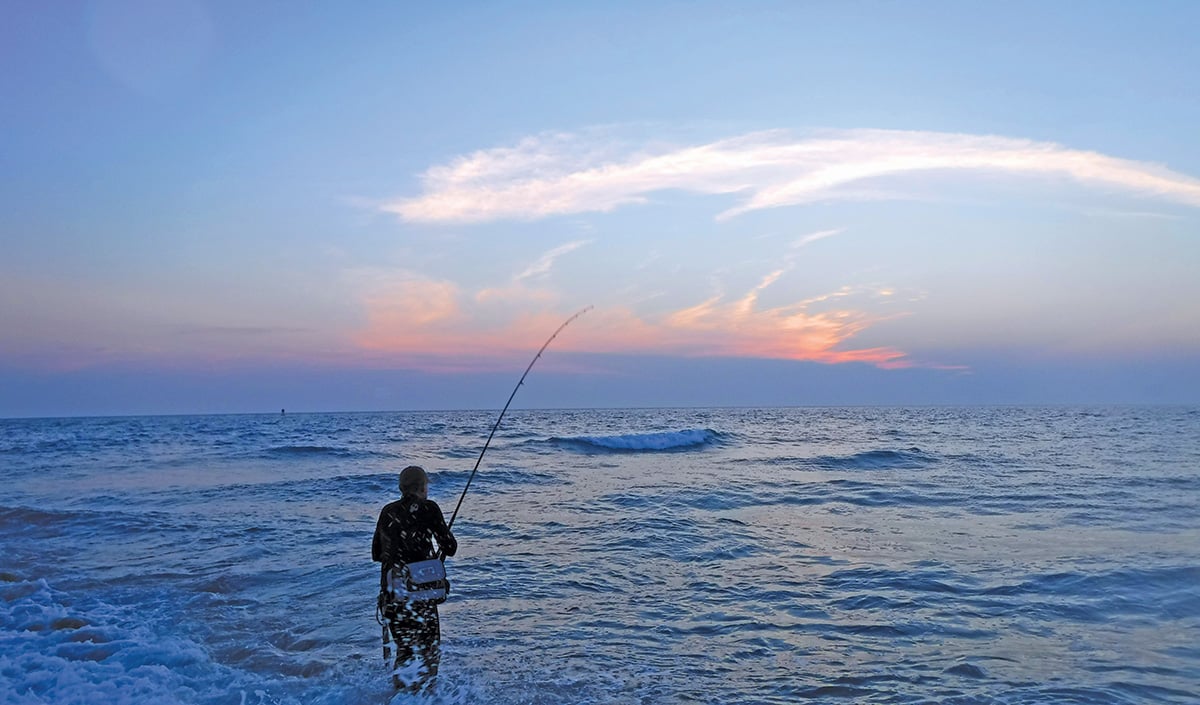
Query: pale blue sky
(222, 206)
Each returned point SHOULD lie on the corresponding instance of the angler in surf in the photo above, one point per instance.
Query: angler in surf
(412, 581)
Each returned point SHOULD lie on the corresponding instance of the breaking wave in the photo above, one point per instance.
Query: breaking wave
(689, 439)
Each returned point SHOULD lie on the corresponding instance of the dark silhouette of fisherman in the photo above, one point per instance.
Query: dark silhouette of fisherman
(405, 533)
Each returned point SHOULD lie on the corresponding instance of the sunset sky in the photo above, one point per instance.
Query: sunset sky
(232, 206)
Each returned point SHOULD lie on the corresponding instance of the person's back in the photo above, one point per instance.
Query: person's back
(405, 533)
(406, 530)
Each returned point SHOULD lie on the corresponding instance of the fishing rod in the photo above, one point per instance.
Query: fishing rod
(501, 417)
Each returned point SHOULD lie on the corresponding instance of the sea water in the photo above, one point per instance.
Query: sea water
(848, 555)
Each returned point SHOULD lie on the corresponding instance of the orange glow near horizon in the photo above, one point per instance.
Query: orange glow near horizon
(431, 325)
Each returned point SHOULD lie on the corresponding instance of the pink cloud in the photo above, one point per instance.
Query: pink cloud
(443, 328)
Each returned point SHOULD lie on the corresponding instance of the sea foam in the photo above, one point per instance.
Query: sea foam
(57, 648)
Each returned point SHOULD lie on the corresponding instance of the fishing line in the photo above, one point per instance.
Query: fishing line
(501, 417)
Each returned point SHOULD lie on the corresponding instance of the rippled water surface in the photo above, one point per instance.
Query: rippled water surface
(933, 555)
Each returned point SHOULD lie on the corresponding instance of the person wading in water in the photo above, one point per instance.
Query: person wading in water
(405, 534)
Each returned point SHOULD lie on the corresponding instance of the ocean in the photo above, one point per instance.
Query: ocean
(823, 555)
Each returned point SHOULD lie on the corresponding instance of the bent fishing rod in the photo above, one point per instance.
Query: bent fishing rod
(501, 417)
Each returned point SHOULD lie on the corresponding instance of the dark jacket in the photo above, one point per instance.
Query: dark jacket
(406, 530)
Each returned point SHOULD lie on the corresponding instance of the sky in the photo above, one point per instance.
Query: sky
(242, 207)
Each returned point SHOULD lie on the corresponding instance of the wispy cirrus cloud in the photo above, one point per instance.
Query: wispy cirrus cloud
(813, 237)
(520, 288)
(565, 174)
(546, 261)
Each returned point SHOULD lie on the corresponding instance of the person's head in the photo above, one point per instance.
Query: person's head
(414, 481)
